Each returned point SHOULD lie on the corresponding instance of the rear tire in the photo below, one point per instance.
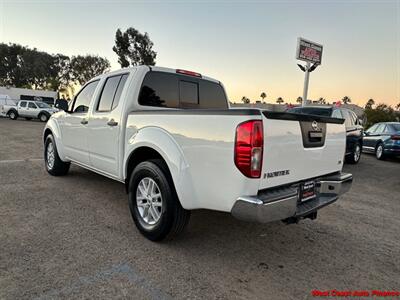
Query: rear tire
(43, 117)
(28, 119)
(153, 202)
(13, 115)
(379, 154)
(355, 155)
(54, 165)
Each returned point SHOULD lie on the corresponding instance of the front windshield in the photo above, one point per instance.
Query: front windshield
(42, 105)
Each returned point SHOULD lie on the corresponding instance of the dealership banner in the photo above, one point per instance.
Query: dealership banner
(309, 51)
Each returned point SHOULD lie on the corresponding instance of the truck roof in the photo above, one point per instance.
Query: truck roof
(154, 68)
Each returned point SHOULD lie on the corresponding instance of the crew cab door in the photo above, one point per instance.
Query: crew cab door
(22, 108)
(74, 125)
(104, 126)
(32, 110)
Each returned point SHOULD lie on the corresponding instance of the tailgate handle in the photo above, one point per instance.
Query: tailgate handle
(315, 136)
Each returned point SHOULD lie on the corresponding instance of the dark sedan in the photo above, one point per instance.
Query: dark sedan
(383, 139)
(354, 129)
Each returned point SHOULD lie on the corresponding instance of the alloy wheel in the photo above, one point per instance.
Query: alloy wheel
(50, 155)
(149, 201)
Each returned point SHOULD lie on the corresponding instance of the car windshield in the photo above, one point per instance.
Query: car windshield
(42, 105)
(318, 111)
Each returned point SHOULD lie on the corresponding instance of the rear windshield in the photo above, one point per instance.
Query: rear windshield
(396, 127)
(317, 111)
(179, 91)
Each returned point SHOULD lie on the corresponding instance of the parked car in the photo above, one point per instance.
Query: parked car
(6, 103)
(354, 128)
(31, 110)
(171, 138)
(383, 139)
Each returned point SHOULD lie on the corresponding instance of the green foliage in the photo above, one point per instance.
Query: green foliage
(279, 100)
(134, 48)
(24, 67)
(245, 100)
(85, 67)
(299, 99)
(381, 113)
(346, 100)
(263, 95)
(370, 103)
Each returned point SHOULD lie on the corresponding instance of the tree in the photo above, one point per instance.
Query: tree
(245, 100)
(11, 65)
(398, 106)
(83, 68)
(134, 48)
(346, 100)
(381, 113)
(279, 100)
(263, 96)
(321, 100)
(369, 104)
(299, 99)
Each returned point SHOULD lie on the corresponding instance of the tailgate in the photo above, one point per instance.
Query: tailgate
(299, 147)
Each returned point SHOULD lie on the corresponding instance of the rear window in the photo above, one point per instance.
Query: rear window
(396, 127)
(180, 91)
(324, 112)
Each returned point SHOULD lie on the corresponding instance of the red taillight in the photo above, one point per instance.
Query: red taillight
(249, 148)
(395, 137)
(190, 73)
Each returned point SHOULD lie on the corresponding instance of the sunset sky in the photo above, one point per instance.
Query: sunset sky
(249, 46)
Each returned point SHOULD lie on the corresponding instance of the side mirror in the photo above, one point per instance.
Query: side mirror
(62, 104)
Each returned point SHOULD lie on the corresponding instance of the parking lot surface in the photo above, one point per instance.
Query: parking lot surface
(73, 237)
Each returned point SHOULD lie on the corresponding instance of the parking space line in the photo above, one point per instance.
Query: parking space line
(9, 161)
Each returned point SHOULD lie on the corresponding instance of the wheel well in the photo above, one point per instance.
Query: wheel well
(12, 109)
(136, 157)
(46, 133)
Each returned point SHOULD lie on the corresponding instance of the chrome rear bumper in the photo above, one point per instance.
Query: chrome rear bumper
(283, 203)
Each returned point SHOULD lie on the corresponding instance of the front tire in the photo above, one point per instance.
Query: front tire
(379, 153)
(54, 165)
(355, 155)
(153, 202)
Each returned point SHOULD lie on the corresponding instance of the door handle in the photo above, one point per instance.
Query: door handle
(112, 123)
(84, 122)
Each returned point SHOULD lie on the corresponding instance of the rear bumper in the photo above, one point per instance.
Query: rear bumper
(283, 203)
(392, 149)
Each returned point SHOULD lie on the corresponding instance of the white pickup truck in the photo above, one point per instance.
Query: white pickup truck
(171, 138)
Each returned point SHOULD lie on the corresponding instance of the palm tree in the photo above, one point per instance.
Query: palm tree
(245, 100)
(279, 100)
(321, 100)
(299, 99)
(263, 95)
(346, 100)
(370, 103)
